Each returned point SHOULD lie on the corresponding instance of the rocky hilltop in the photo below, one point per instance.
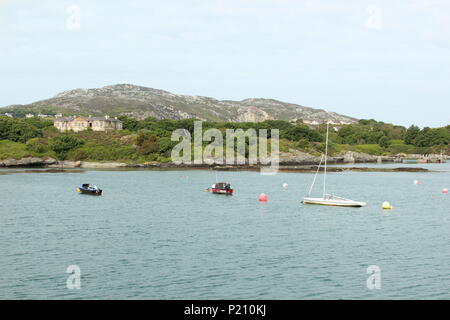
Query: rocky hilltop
(142, 102)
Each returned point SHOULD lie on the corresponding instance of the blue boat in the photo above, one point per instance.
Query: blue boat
(87, 188)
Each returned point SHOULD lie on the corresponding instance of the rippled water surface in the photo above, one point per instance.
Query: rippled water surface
(157, 235)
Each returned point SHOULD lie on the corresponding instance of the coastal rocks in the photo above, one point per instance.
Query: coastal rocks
(28, 162)
(87, 165)
(354, 157)
(64, 164)
(102, 165)
(297, 157)
(348, 157)
(150, 164)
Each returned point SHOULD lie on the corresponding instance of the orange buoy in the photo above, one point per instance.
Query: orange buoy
(445, 190)
(416, 181)
(262, 197)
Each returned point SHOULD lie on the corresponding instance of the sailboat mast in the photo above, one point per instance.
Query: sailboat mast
(325, 165)
(315, 176)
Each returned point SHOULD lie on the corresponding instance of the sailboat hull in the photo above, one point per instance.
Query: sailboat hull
(333, 202)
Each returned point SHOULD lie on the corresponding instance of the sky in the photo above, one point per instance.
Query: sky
(381, 59)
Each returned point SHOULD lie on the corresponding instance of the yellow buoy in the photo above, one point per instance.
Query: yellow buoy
(387, 206)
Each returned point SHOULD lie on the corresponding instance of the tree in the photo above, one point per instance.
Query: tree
(429, 137)
(129, 123)
(37, 145)
(295, 133)
(165, 144)
(411, 134)
(384, 142)
(147, 143)
(39, 123)
(63, 144)
(348, 134)
(17, 130)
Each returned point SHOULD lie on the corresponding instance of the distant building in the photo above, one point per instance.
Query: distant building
(29, 115)
(83, 123)
(313, 122)
(331, 122)
(8, 115)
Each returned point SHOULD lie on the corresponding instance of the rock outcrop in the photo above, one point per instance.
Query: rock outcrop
(293, 157)
(358, 157)
(28, 162)
(141, 102)
(298, 158)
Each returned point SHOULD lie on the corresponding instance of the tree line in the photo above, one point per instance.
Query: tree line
(150, 139)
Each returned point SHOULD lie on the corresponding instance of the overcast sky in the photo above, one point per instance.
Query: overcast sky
(388, 60)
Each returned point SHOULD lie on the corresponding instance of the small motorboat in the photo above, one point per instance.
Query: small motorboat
(87, 188)
(221, 188)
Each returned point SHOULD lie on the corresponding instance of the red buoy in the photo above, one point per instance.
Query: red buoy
(262, 197)
(445, 190)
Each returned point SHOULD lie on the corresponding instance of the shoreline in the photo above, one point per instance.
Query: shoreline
(52, 165)
(294, 160)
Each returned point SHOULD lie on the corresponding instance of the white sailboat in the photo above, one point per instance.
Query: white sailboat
(328, 199)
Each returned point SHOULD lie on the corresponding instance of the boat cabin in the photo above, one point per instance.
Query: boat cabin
(222, 188)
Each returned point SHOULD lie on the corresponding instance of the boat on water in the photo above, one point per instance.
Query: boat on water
(331, 200)
(328, 199)
(87, 188)
(221, 188)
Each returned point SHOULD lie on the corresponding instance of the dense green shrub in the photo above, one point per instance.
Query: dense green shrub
(146, 142)
(63, 144)
(373, 149)
(298, 132)
(38, 145)
(150, 139)
(14, 150)
(17, 130)
(384, 142)
(96, 152)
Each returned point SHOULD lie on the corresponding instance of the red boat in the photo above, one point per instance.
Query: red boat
(222, 188)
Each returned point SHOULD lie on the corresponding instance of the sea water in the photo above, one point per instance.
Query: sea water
(158, 235)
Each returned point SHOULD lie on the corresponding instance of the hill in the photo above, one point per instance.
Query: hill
(142, 102)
